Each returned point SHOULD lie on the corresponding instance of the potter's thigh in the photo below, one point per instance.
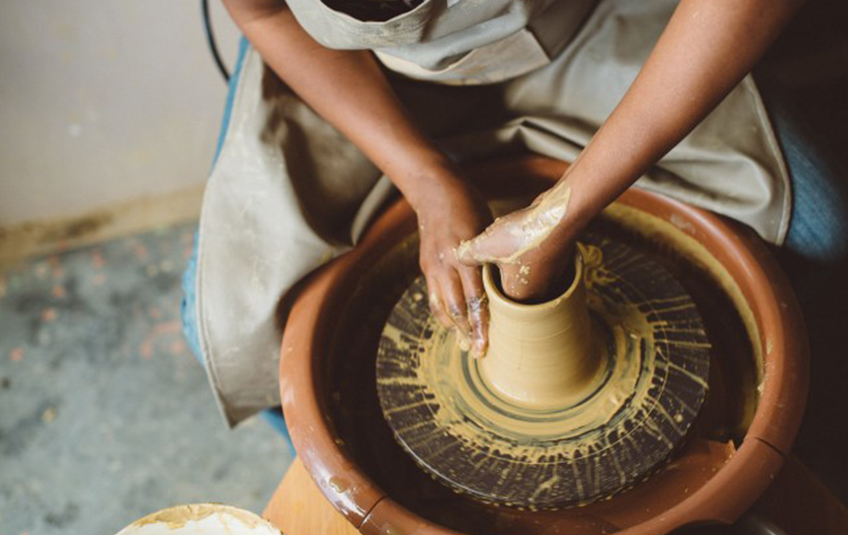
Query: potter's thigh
(815, 254)
(818, 231)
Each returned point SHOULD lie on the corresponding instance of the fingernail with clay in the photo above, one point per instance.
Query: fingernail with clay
(464, 343)
(479, 348)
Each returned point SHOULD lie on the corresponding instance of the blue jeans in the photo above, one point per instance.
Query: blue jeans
(818, 231)
(815, 253)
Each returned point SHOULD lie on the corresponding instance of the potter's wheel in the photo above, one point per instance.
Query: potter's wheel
(733, 450)
(459, 427)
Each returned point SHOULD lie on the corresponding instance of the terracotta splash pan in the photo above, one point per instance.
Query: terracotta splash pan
(737, 446)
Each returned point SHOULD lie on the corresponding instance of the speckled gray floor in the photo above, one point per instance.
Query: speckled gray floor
(104, 413)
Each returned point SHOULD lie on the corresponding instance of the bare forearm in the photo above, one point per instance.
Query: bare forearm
(348, 89)
(706, 49)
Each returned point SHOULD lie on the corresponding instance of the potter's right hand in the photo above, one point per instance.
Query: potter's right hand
(451, 213)
(531, 247)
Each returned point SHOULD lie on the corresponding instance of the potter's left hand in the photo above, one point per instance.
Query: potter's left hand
(449, 212)
(530, 247)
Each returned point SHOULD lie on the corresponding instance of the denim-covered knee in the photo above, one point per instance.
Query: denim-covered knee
(821, 235)
(819, 232)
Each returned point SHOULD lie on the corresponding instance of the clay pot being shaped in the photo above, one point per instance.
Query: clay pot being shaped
(757, 386)
(544, 355)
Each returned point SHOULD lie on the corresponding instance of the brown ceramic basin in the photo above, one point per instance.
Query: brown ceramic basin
(737, 446)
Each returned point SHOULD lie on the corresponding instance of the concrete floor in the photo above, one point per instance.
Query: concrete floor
(106, 416)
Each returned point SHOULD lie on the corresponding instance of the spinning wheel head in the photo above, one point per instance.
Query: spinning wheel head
(449, 412)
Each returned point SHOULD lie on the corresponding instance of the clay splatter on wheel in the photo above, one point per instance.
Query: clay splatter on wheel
(450, 418)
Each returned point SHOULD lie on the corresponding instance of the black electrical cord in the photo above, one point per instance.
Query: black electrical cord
(210, 40)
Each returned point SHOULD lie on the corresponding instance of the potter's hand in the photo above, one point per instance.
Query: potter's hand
(530, 247)
(449, 214)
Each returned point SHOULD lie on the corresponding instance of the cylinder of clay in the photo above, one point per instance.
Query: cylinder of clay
(541, 356)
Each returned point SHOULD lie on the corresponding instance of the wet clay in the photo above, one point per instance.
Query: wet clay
(546, 355)
(592, 426)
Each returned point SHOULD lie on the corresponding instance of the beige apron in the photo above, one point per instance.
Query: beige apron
(288, 192)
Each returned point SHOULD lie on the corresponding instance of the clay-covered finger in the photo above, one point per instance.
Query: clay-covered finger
(455, 305)
(493, 245)
(437, 307)
(473, 252)
(478, 309)
(513, 281)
